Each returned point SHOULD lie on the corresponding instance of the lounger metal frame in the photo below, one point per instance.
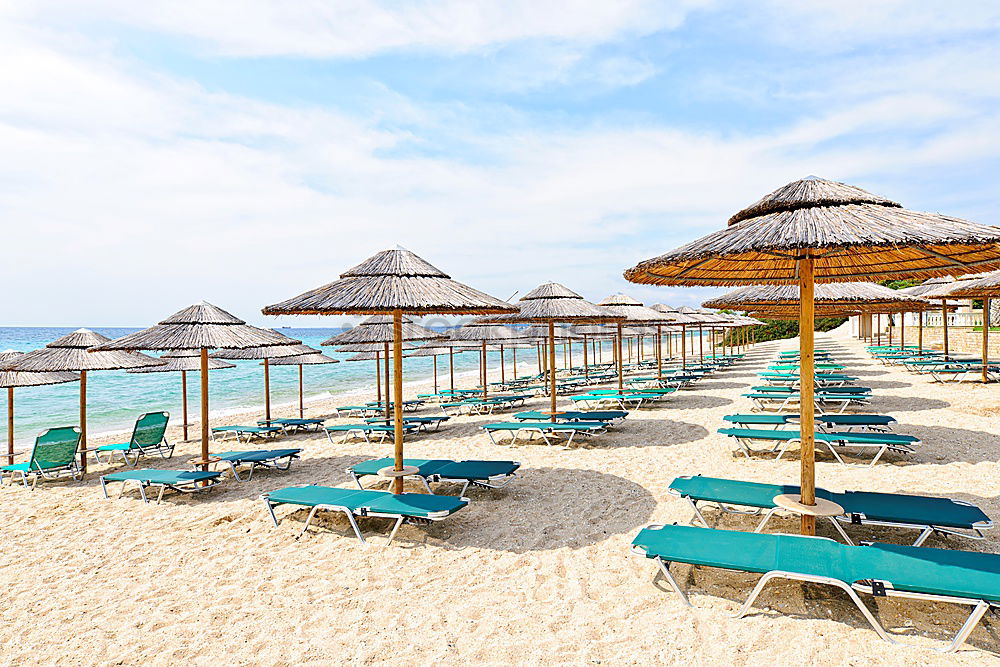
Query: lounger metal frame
(194, 486)
(238, 431)
(362, 512)
(545, 432)
(873, 588)
(781, 446)
(491, 482)
(273, 463)
(56, 472)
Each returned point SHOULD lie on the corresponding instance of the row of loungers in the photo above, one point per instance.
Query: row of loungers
(550, 428)
(918, 572)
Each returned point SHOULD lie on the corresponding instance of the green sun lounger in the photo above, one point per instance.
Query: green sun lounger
(422, 423)
(606, 416)
(483, 474)
(403, 507)
(783, 401)
(941, 575)
(845, 422)
(183, 481)
(365, 431)
(623, 400)
(279, 459)
(544, 429)
(776, 389)
(248, 432)
(780, 440)
(294, 424)
(53, 456)
(148, 437)
(927, 514)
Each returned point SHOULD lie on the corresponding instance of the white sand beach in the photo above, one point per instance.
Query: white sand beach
(536, 573)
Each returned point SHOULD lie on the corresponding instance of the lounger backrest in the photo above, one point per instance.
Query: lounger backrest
(149, 429)
(55, 448)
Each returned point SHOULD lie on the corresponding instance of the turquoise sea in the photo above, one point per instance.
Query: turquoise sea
(115, 398)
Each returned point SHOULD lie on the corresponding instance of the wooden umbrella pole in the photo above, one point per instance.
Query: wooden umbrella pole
(503, 371)
(701, 345)
(888, 319)
(513, 354)
(204, 408)
(482, 370)
(397, 390)
(878, 329)
(10, 426)
(986, 338)
(184, 398)
(552, 368)
(683, 346)
(586, 367)
(386, 383)
(451, 368)
(807, 416)
(621, 366)
(378, 377)
(302, 398)
(434, 359)
(944, 320)
(267, 390)
(659, 352)
(920, 332)
(902, 331)
(83, 421)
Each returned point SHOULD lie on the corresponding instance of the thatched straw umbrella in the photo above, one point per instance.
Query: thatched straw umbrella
(550, 303)
(815, 228)
(266, 352)
(677, 319)
(313, 358)
(399, 283)
(378, 329)
(434, 351)
(593, 332)
(9, 380)
(200, 327)
(70, 353)
(985, 287)
(942, 292)
(632, 311)
(485, 330)
(183, 361)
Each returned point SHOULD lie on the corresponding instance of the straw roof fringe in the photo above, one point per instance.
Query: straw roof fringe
(434, 351)
(200, 326)
(926, 286)
(314, 359)
(391, 280)
(266, 352)
(486, 330)
(852, 236)
(632, 310)
(859, 296)
(985, 287)
(9, 379)
(378, 329)
(675, 316)
(189, 360)
(555, 302)
(70, 353)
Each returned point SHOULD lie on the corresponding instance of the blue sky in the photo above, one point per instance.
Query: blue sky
(161, 153)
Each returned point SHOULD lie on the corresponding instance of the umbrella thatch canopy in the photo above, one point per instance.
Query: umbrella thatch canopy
(70, 353)
(9, 380)
(927, 286)
(486, 330)
(200, 327)
(858, 297)
(183, 361)
(377, 329)
(632, 311)
(678, 319)
(550, 303)
(399, 283)
(985, 287)
(814, 229)
(944, 293)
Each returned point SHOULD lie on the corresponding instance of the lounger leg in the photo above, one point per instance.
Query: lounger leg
(392, 535)
(754, 593)
(767, 517)
(967, 628)
(878, 455)
(697, 512)
(924, 534)
(354, 525)
(159, 496)
(665, 571)
(357, 480)
(104, 488)
(309, 518)
(270, 510)
(840, 529)
(142, 492)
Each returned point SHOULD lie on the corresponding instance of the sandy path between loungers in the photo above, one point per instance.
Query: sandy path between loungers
(537, 573)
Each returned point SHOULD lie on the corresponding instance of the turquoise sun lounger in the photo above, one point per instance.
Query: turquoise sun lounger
(941, 575)
(484, 474)
(183, 481)
(780, 440)
(53, 456)
(364, 431)
(422, 423)
(294, 424)
(148, 437)
(279, 459)
(606, 416)
(879, 423)
(248, 432)
(403, 507)
(545, 430)
(927, 514)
